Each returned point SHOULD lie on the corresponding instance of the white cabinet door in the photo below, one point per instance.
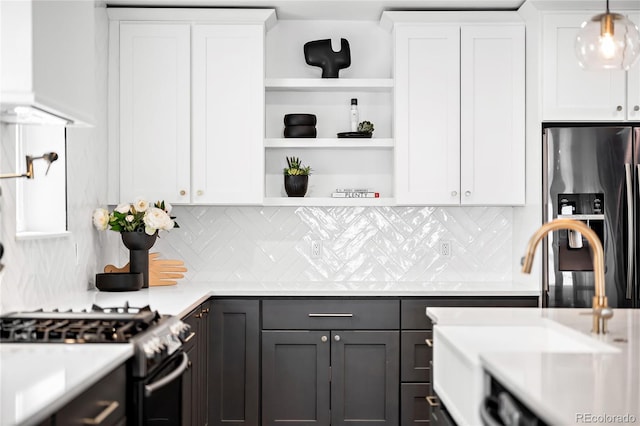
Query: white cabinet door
(228, 114)
(633, 82)
(427, 110)
(570, 92)
(154, 112)
(492, 86)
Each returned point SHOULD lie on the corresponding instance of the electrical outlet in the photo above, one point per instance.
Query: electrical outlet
(445, 248)
(316, 249)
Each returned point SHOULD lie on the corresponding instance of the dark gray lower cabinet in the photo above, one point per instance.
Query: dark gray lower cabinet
(295, 377)
(103, 403)
(194, 381)
(330, 377)
(235, 363)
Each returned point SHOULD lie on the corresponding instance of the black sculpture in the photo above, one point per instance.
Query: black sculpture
(319, 53)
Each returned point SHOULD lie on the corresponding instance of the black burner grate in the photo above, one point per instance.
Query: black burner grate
(99, 325)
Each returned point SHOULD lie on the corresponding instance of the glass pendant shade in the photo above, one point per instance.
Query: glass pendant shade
(608, 41)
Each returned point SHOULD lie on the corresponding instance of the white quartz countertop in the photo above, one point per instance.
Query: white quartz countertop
(560, 386)
(181, 298)
(37, 379)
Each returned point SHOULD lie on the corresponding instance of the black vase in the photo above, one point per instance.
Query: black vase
(319, 53)
(139, 243)
(296, 186)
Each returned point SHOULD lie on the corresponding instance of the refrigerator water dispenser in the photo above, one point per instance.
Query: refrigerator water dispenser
(574, 253)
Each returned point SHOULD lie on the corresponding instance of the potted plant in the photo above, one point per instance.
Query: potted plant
(366, 127)
(296, 177)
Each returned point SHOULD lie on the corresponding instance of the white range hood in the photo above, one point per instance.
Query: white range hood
(47, 61)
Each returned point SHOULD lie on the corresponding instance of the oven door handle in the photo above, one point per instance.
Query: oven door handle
(150, 388)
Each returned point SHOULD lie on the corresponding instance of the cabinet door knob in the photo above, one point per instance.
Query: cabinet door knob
(183, 192)
(454, 193)
(324, 339)
(336, 337)
(619, 108)
(467, 193)
(200, 192)
(636, 108)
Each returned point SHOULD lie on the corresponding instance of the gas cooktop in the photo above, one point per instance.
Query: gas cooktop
(154, 337)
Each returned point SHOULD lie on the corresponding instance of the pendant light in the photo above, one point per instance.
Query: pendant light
(608, 41)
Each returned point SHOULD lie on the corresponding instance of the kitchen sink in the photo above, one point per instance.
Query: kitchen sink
(458, 374)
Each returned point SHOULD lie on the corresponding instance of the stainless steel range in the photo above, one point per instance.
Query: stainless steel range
(156, 369)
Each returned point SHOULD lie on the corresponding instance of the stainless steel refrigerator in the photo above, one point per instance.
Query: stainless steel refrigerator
(592, 173)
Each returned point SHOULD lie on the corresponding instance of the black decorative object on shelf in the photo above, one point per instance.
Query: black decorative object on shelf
(355, 135)
(300, 132)
(296, 186)
(300, 126)
(319, 53)
(300, 120)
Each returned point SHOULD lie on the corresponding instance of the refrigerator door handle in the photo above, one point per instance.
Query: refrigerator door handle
(630, 246)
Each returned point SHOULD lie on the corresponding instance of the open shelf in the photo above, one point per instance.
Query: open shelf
(365, 143)
(327, 201)
(328, 84)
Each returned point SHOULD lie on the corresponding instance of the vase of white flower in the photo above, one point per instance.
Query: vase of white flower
(138, 224)
(139, 243)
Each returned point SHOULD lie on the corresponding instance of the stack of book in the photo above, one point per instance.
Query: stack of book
(355, 193)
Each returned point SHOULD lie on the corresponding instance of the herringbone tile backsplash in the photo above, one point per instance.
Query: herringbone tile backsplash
(273, 244)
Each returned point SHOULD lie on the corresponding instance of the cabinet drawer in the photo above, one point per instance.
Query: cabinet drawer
(105, 399)
(330, 314)
(414, 317)
(415, 356)
(414, 409)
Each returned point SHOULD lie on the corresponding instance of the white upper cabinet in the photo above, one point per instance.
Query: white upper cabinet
(492, 136)
(47, 58)
(460, 104)
(571, 93)
(187, 105)
(427, 73)
(154, 133)
(228, 114)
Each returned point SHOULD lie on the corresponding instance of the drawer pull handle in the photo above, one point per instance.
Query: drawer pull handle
(429, 342)
(331, 315)
(189, 337)
(432, 401)
(109, 407)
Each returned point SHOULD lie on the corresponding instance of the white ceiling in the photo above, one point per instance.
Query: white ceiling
(332, 9)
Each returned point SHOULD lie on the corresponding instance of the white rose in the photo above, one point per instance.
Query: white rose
(101, 219)
(167, 207)
(123, 208)
(155, 219)
(140, 204)
(129, 218)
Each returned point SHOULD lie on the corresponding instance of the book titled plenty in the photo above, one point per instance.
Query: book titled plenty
(355, 194)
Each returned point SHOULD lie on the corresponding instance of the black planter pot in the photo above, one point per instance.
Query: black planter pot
(139, 244)
(296, 186)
